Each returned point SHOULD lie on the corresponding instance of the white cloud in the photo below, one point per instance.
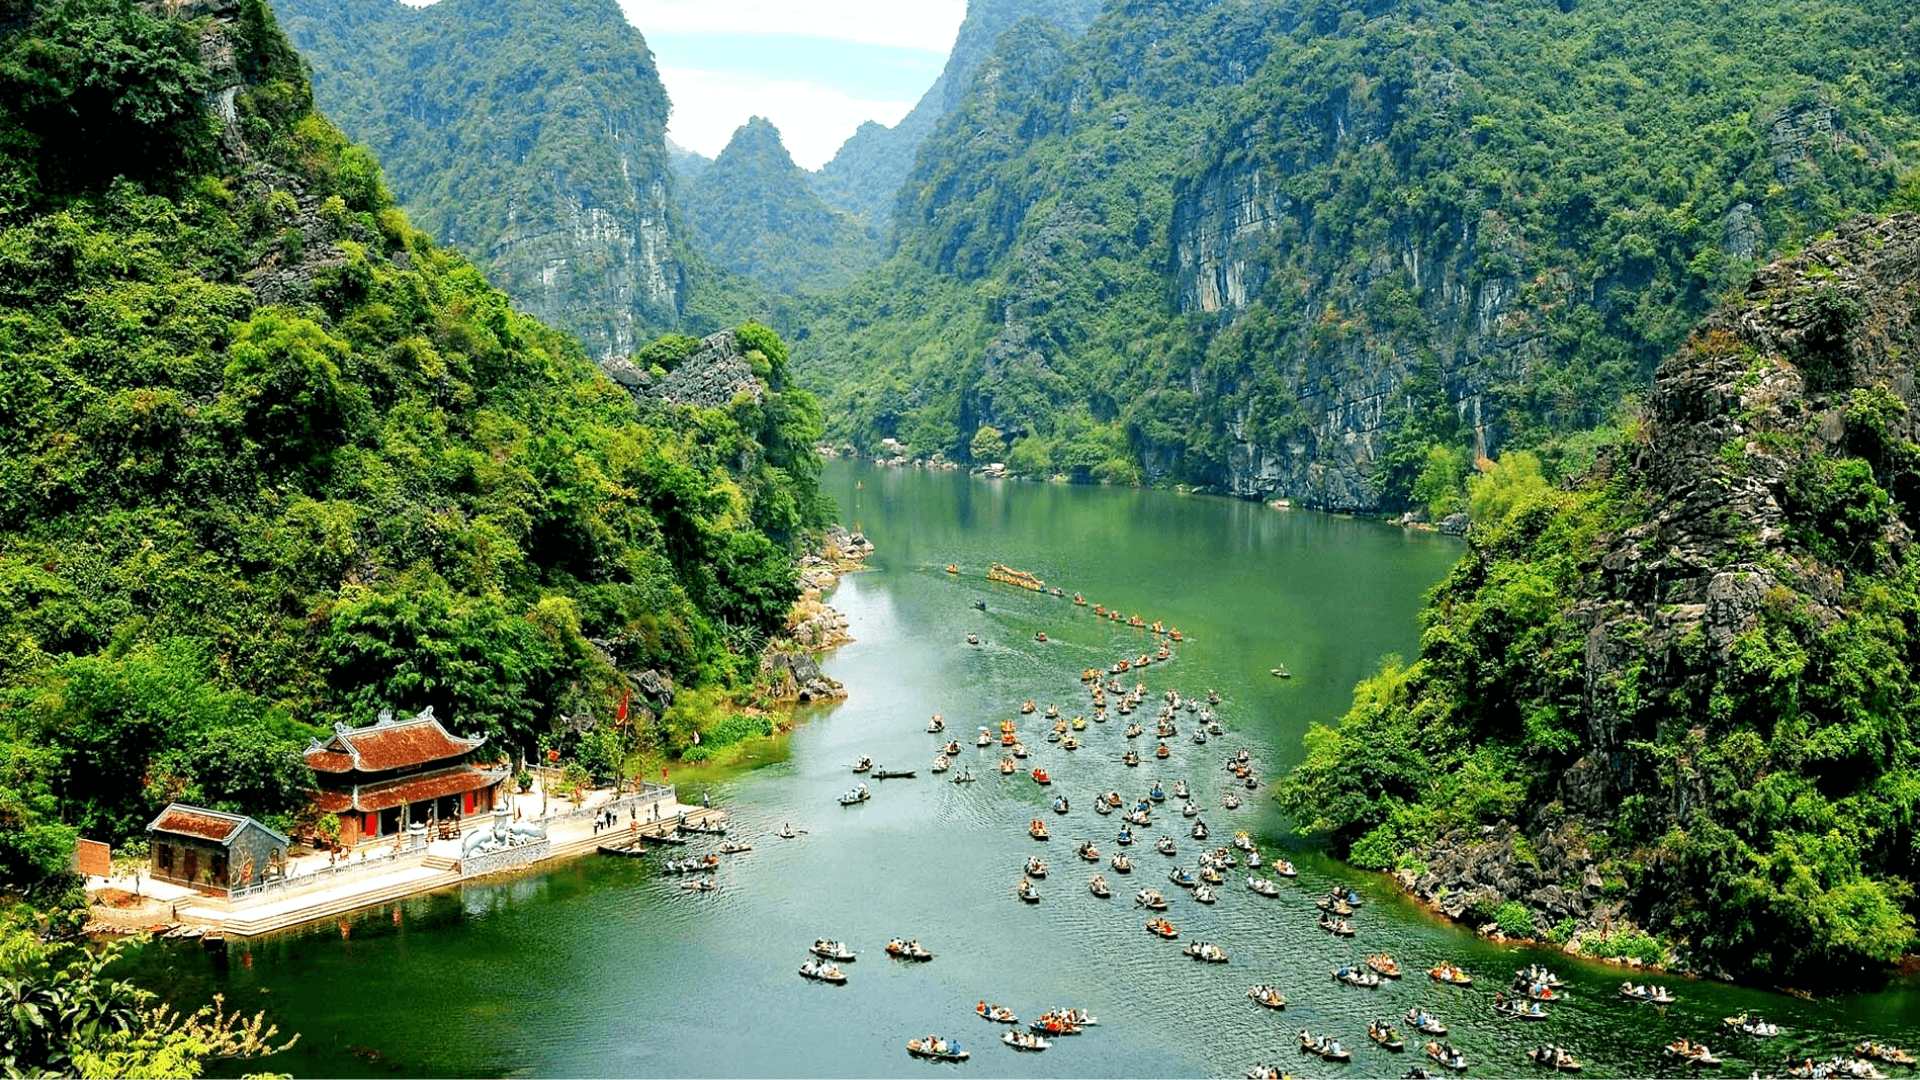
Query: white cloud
(913, 24)
(813, 120)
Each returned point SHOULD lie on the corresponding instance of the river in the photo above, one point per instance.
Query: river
(605, 968)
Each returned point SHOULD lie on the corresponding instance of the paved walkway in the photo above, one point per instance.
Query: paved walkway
(438, 868)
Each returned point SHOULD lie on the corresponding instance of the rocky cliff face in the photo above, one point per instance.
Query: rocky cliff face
(1284, 250)
(530, 135)
(866, 173)
(1732, 657)
(1483, 301)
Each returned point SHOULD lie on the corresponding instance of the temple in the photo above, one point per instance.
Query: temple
(392, 773)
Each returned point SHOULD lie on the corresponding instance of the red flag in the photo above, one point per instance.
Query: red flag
(624, 698)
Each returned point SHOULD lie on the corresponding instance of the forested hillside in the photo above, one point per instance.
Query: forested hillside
(866, 173)
(1679, 693)
(528, 135)
(1309, 250)
(755, 214)
(270, 458)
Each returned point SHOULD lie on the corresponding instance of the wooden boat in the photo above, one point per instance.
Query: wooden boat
(908, 950)
(1040, 777)
(952, 749)
(1519, 1007)
(1165, 845)
(1175, 635)
(893, 774)
(1037, 829)
(1055, 1024)
(1332, 906)
(965, 777)
(1008, 766)
(628, 851)
(1069, 743)
(1385, 1037)
(1134, 731)
(998, 1014)
(1691, 1052)
(1324, 1048)
(937, 1049)
(1053, 712)
(1886, 1055)
(1538, 992)
(1554, 1057)
(1150, 899)
(828, 949)
(1204, 894)
(941, 764)
(1283, 868)
(1264, 887)
(1384, 965)
(1162, 751)
(1018, 749)
(1162, 929)
(952, 569)
(1079, 723)
(1447, 973)
(1211, 876)
(1199, 830)
(1182, 878)
(1445, 1056)
(1099, 609)
(1230, 801)
(1336, 927)
(1040, 635)
(1021, 1040)
(735, 847)
(863, 765)
(936, 724)
(701, 828)
(1120, 863)
(1537, 975)
(856, 796)
(1026, 706)
(1130, 759)
(1750, 1025)
(1206, 952)
(1087, 851)
(1656, 995)
(1354, 976)
(1267, 996)
(1098, 886)
(1425, 1023)
(1027, 892)
(1282, 673)
(1036, 867)
(822, 971)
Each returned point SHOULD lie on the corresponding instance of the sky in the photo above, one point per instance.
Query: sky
(817, 68)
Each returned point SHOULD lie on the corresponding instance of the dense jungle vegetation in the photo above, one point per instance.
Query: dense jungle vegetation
(1513, 205)
(1695, 669)
(270, 458)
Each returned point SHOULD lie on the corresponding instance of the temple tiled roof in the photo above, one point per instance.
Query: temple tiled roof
(366, 798)
(388, 744)
(196, 821)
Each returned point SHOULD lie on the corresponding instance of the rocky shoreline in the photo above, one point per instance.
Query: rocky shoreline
(791, 667)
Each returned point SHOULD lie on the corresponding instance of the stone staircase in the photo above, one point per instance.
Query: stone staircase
(441, 862)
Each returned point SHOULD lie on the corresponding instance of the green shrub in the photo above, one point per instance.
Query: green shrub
(1514, 920)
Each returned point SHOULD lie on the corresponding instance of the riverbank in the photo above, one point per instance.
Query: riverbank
(320, 887)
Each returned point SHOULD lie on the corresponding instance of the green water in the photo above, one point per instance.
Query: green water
(604, 968)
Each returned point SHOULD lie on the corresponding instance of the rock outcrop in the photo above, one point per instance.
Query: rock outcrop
(528, 134)
(712, 377)
(812, 625)
(1728, 625)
